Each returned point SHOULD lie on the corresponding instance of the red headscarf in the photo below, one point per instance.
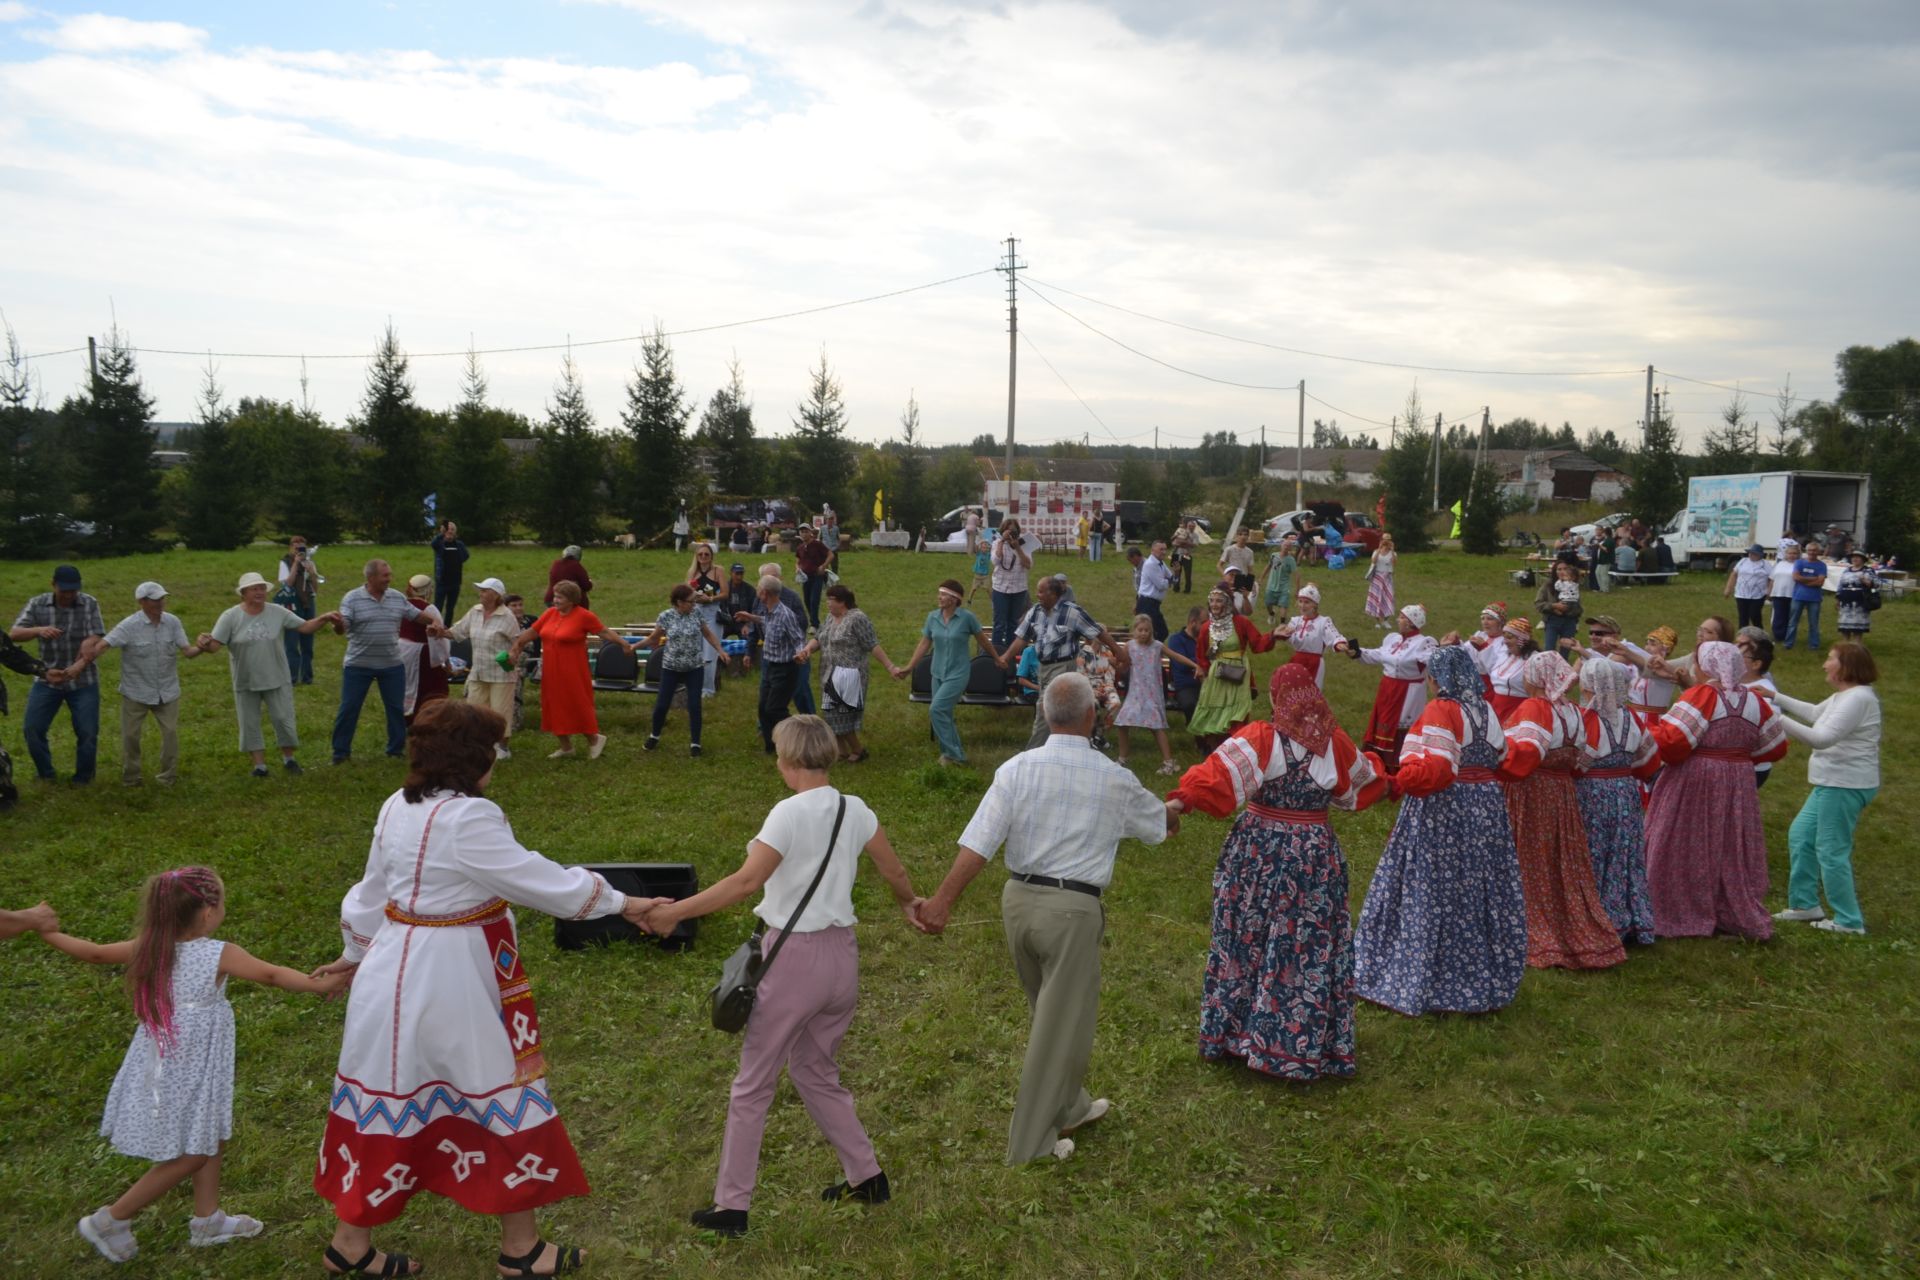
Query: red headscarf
(1300, 710)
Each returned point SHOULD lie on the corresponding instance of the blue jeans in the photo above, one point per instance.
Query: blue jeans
(354, 682)
(300, 648)
(83, 709)
(1558, 627)
(670, 680)
(1093, 549)
(1008, 608)
(1810, 610)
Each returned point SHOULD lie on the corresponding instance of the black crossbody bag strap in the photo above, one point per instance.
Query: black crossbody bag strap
(801, 910)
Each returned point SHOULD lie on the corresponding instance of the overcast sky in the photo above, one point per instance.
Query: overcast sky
(1724, 190)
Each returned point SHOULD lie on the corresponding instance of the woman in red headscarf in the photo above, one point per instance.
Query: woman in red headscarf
(1567, 926)
(1278, 993)
(1706, 851)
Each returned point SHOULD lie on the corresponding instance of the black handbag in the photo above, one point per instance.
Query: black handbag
(1873, 600)
(731, 999)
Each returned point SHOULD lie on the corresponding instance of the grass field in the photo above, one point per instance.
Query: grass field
(1709, 1108)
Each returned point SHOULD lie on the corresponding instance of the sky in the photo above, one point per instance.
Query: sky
(1504, 194)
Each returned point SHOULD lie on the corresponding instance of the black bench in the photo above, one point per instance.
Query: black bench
(987, 685)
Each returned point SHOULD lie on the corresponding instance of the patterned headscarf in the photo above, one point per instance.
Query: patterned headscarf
(1300, 710)
(1606, 684)
(1416, 614)
(1551, 672)
(1456, 678)
(1666, 636)
(1309, 592)
(1721, 663)
(1496, 610)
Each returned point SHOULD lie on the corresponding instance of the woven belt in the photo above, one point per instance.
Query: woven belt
(1608, 773)
(1476, 774)
(1557, 768)
(1647, 708)
(1725, 753)
(485, 914)
(1299, 817)
(1054, 882)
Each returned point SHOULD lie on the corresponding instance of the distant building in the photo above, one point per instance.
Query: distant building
(1529, 475)
(1324, 466)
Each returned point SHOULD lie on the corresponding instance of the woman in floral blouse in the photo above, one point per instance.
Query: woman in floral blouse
(683, 665)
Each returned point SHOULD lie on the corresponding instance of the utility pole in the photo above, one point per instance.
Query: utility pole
(1480, 455)
(1436, 462)
(93, 368)
(1393, 430)
(1156, 444)
(1646, 423)
(1300, 451)
(1011, 266)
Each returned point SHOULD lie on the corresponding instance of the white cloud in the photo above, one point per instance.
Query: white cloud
(105, 33)
(13, 11)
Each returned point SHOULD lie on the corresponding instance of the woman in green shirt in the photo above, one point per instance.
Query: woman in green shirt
(947, 630)
(253, 634)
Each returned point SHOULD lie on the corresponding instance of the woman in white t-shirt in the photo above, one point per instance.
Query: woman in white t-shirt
(807, 995)
(1780, 587)
(1749, 582)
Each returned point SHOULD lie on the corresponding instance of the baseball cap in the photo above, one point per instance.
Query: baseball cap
(149, 591)
(67, 577)
(492, 584)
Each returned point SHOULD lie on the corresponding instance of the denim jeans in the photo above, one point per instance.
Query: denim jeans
(83, 709)
(1782, 608)
(1093, 548)
(1558, 627)
(671, 681)
(354, 682)
(1008, 608)
(300, 648)
(1810, 610)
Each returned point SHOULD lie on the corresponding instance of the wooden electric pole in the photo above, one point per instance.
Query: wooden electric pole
(1011, 265)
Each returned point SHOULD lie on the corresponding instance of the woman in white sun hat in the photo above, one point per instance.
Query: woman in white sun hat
(253, 633)
(491, 629)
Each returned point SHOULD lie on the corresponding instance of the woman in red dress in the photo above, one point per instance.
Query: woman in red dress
(1567, 926)
(1706, 851)
(566, 679)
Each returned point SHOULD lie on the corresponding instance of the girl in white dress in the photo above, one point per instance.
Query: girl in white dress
(1146, 704)
(172, 1101)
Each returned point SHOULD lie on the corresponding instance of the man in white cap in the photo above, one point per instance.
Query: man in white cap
(151, 643)
(1402, 658)
(490, 628)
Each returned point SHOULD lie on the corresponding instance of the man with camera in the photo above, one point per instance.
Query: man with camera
(299, 590)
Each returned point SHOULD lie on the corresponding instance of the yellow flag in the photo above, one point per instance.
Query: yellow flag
(879, 512)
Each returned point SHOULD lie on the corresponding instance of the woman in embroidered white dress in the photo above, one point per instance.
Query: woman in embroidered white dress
(442, 1084)
(1312, 635)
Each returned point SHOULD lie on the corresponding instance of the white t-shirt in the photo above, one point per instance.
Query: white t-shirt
(798, 827)
(1750, 579)
(1781, 577)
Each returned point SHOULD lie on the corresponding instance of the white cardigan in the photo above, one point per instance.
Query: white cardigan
(1844, 735)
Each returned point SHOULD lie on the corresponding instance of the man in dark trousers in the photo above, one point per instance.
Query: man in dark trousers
(449, 562)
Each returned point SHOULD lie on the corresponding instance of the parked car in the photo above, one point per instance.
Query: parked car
(956, 520)
(1604, 522)
(1356, 528)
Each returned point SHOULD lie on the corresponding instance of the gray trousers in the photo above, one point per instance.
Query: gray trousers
(1048, 670)
(133, 719)
(1054, 938)
(279, 706)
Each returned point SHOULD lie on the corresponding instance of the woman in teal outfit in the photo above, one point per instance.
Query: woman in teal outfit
(947, 630)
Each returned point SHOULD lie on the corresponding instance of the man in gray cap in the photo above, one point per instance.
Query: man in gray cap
(151, 643)
(63, 620)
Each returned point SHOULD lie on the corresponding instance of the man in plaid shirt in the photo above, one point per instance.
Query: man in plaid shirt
(63, 620)
(782, 633)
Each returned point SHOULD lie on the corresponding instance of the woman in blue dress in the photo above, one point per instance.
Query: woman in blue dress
(1618, 754)
(1278, 993)
(1444, 928)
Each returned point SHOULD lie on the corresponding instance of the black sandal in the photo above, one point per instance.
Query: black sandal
(565, 1259)
(397, 1264)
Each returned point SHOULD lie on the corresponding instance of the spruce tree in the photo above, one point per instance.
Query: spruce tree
(910, 506)
(396, 468)
(726, 428)
(220, 493)
(475, 487)
(114, 424)
(1659, 482)
(656, 421)
(35, 467)
(568, 467)
(1480, 518)
(822, 455)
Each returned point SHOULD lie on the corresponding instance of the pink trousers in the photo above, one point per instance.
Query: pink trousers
(804, 1005)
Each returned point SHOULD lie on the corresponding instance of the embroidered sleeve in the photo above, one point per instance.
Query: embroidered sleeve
(1430, 757)
(1773, 736)
(1222, 782)
(1529, 729)
(1678, 732)
(1358, 779)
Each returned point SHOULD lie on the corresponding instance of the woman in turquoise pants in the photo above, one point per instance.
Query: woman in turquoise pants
(1844, 732)
(947, 630)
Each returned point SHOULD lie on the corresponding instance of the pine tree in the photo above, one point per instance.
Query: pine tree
(568, 467)
(396, 469)
(1659, 482)
(300, 466)
(1732, 447)
(656, 422)
(910, 507)
(726, 428)
(1404, 473)
(115, 425)
(1480, 518)
(475, 487)
(35, 472)
(220, 496)
(822, 456)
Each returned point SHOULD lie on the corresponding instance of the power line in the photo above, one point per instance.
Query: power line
(1069, 386)
(553, 346)
(1346, 412)
(1165, 364)
(1324, 355)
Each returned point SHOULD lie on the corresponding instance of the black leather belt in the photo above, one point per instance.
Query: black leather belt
(1054, 882)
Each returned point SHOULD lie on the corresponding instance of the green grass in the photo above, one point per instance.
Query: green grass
(1709, 1108)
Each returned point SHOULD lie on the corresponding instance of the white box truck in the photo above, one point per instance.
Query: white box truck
(1727, 514)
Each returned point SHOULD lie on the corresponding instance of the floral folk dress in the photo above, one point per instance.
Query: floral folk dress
(1609, 796)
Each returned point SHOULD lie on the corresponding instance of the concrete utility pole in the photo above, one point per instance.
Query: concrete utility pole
(93, 368)
(1480, 455)
(1300, 451)
(1011, 265)
(1436, 462)
(1646, 423)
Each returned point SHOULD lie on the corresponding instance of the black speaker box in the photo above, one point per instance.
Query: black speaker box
(674, 880)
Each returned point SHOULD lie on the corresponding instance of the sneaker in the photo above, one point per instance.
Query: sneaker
(1095, 1109)
(653, 740)
(564, 753)
(1809, 914)
(1169, 769)
(694, 751)
(1063, 1148)
(731, 1223)
(292, 766)
(873, 1191)
(113, 1238)
(259, 771)
(219, 1227)
(340, 760)
(1834, 926)
(595, 747)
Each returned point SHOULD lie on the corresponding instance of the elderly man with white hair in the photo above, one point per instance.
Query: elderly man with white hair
(151, 643)
(1055, 627)
(1061, 811)
(1402, 658)
(782, 632)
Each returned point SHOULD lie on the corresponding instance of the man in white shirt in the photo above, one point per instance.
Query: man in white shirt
(1061, 811)
(1156, 577)
(151, 643)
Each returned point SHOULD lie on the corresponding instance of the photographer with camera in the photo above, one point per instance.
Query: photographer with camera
(299, 590)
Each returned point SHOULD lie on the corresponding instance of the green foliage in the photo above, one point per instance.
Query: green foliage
(1403, 475)
(113, 426)
(1732, 446)
(726, 428)
(301, 467)
(821, 458)
(910, 503)
(1659, 474)
(566, 491)
(475, 484)
(35, 467)
(1480, 518)
(396, 470)
(953, 482)
(1874, 425)
(656, 414)
(220, 497)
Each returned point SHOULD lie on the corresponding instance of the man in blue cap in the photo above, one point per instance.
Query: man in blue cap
(65, 621)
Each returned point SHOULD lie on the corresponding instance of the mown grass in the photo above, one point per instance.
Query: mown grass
(1710, 1108)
